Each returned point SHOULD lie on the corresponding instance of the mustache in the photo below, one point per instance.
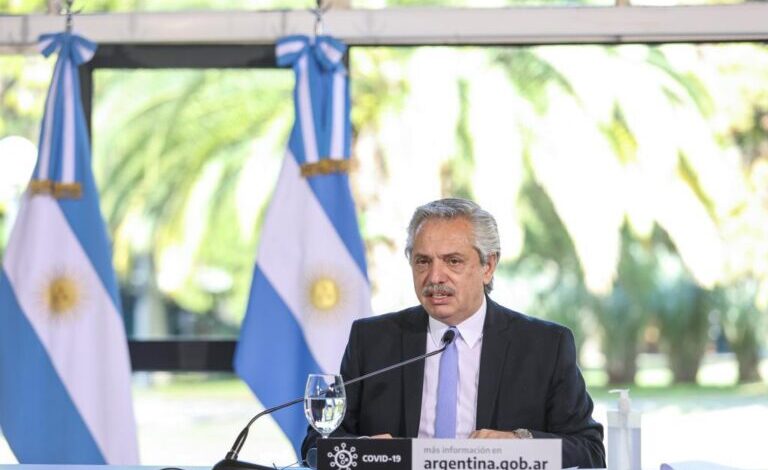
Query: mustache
(439, 289)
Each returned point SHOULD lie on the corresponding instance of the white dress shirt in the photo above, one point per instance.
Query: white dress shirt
(469, 344)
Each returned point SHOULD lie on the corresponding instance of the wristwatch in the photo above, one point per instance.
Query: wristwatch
(522, 433)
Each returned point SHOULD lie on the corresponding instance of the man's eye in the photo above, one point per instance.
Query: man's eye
(454, 261)
(421, 261)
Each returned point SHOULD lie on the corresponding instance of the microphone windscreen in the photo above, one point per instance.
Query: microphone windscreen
(449, 336)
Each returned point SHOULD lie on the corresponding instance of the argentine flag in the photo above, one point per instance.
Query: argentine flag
(65, 389)
(310, 280)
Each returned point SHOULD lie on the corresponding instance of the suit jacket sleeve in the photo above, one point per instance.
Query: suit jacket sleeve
(569, 411)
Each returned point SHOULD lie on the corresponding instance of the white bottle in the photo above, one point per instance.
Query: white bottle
(623, 435)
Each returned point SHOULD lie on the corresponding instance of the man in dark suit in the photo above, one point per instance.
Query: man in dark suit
(508, 375)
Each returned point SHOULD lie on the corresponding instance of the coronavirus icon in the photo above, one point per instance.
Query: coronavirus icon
(343, 458)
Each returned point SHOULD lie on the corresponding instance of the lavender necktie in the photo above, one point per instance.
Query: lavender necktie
(447, 391)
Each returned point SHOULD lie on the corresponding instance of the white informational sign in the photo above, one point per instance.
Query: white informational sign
(487, 454)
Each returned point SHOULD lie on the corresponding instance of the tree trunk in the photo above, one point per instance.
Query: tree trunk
(622, 366)
(685, 363)
(748, 356)
(684, 319)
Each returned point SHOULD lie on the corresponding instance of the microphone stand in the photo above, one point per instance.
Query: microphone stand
(230, 462)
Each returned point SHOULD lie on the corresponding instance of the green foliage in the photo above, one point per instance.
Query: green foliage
(752, 139)
(377, 84)
(683, 309)
(745, 326)
(566, 302)
(625, 311)
(546, 237)
(171, 161)
(549, 258)
(532, 76)
(620, 136)
(456, 174)
(378, 87)
(691, 178)
(172, 149)
(15, 7)
(23, 85)
(695, 88)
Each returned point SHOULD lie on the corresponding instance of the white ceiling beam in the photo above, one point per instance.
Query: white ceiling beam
(570, 25)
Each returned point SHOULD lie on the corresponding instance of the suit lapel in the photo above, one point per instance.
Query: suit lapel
(414, 344)
(496, 342)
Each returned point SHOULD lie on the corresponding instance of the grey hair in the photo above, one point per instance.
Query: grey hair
(486, 233)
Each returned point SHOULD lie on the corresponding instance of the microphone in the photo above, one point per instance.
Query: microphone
(230, 462)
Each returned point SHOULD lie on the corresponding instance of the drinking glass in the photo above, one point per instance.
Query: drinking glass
(325, 402)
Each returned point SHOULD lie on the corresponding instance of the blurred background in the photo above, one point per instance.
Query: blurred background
(630, 184)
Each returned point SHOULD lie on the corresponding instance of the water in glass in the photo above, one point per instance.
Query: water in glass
(324, 402)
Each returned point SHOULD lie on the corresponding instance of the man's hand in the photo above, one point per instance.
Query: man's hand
(492, 434)
(382, 436)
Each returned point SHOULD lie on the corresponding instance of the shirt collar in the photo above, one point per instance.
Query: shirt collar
(470, 330)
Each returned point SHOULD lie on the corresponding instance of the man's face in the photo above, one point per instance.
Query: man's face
(447, 274)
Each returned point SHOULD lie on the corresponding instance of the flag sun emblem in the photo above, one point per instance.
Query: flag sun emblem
(62, 294)
(324, 293)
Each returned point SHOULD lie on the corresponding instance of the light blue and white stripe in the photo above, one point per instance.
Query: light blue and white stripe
(65, 395)
(310, 235)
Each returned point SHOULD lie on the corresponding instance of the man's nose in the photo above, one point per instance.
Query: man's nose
(437, 273)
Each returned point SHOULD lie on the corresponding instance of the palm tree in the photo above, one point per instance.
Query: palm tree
(178, 166)
(599, 130)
